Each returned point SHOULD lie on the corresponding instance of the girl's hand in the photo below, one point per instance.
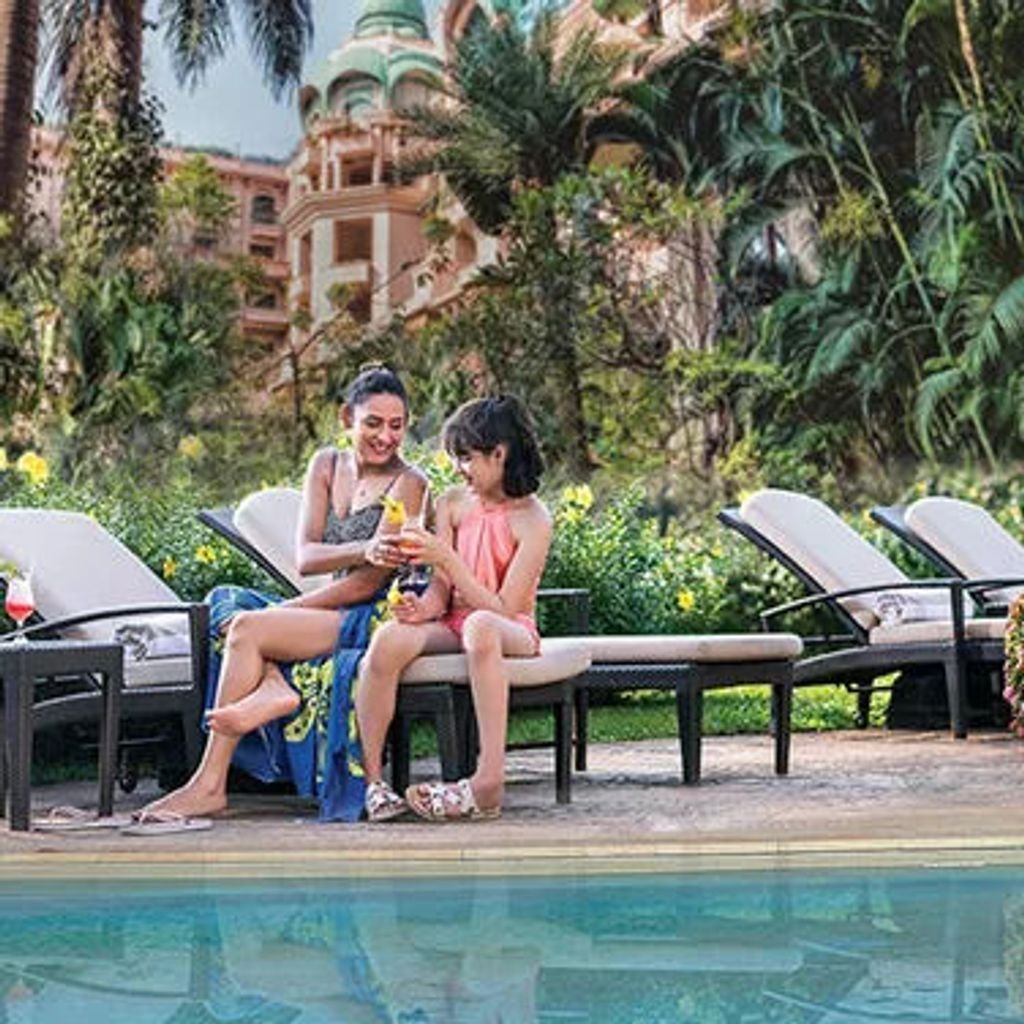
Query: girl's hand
(413, 609)
(423, 548)
(384, 552)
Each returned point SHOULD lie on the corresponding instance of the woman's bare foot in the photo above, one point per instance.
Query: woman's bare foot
(273, 698)
(192, 800)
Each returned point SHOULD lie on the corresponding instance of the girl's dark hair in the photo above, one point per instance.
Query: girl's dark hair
(375, 379)
(483, 424)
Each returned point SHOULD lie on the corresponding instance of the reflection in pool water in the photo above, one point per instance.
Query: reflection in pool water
(878, 946)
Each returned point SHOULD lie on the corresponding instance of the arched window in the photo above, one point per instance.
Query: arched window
(263, 210)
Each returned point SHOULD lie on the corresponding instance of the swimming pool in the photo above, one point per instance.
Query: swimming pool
(925, 945)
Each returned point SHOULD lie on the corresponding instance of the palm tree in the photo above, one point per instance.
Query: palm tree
(197, 34)
(517, 114)
(19, 20)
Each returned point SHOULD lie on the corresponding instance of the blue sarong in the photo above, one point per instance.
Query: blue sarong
(317, 748)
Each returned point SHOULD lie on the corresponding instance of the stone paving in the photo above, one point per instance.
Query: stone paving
(852, 793)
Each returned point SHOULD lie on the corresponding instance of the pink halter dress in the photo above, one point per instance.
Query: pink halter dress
(484, 541)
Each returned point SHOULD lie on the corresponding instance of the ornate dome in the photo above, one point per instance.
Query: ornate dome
(404, 18)
(390, 44)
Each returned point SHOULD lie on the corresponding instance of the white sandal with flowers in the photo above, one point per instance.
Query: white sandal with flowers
(447, 801)
(382, 803)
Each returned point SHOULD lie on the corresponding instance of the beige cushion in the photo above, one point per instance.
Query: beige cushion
(553, 664)
(935, 630)
(678, 649)
(969, 539)
(824, 546)
(269, 521)
(77, 566)
(156, 671)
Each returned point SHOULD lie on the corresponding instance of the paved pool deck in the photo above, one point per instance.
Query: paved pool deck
(850, 798)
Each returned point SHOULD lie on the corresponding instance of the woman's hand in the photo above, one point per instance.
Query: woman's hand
(423, 548)
(384, 552)
(415, 608)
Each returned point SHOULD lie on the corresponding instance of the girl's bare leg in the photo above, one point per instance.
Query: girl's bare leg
(394, 645)
(486, 637)
(255, 641)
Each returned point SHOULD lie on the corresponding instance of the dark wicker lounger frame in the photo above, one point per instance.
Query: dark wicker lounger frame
(688, 680)
(853, 662)
(182, 699)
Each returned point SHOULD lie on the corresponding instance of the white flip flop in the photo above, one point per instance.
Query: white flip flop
(73, 819)
(161, 823)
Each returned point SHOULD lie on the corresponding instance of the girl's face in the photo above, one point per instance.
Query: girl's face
(377, 426)
(484, 472)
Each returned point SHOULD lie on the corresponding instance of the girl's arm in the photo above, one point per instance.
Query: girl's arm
(433, 602)
(523, 577)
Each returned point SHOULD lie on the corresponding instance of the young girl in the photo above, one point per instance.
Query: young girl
(341, 530)
(488, 554)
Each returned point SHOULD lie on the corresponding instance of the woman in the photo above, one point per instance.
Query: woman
(271, 665)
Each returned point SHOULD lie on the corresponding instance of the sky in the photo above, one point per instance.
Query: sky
(234, 109)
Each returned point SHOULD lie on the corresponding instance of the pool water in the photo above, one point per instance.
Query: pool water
(927, 946)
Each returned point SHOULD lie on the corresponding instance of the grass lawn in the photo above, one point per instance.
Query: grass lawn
(651, 714)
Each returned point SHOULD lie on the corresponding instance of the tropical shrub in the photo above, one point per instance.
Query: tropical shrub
(701, 580)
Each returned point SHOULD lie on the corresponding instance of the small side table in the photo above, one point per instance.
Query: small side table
(20, 666)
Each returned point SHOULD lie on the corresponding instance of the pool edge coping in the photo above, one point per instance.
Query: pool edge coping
(535, 859)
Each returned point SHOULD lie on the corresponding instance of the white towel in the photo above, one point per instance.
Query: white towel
(144, 641)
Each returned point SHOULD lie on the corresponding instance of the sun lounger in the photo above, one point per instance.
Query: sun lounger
(888, 622)
(87, 584)
(960, 539)
(687, 665)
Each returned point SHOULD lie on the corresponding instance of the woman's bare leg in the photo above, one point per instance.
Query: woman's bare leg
(254, 642)
(273, 698)
(394, 645)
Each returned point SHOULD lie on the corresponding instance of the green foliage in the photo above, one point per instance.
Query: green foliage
(521, 106)
(194, 199)
(110, 190)
(158, 524)
(702, 580)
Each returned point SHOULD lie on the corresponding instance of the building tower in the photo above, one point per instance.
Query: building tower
(349, 221)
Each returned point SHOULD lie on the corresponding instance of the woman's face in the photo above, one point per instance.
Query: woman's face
(377, 426)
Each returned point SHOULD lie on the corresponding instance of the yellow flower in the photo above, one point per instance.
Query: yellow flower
(743, 495)
(581, 496)
(394, 510)
(685, 601)
(443, 461)
(190, 447)
(205, 555)
(717, 551)
(170, 568)
(3, 459)
(394, 595)
(34, 467)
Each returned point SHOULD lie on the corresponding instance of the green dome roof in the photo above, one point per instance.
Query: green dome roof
(392, 17)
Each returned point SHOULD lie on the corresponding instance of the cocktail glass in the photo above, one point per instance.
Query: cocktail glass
(19, 603)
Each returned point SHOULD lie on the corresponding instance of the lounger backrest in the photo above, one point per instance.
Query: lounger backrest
(269, 521)
(970, 539)
(77, 566)
(832, 553)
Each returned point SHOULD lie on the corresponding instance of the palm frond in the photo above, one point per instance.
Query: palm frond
(197, 33)
(280, 32)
